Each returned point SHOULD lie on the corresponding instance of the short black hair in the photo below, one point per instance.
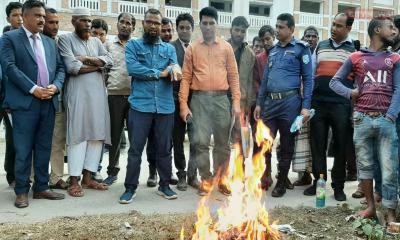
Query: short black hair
(11, 6)
(100, 23)
(288, 18)
(256, 38)
(133, 19)
(185, 17)
(349, 18)
(376, 22)
(51, 10)
(240, 21)
(152, 11)
(396, 21)
(32, 4)
(312, 28)
(264, 29)
(209, 12)
(6, 28)
(166, 21)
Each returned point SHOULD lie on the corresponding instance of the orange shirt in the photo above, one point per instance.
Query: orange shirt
(209, 68)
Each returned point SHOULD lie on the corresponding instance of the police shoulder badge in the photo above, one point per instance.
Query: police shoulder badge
(306, 59)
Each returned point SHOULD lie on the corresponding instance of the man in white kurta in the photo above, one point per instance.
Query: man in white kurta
(88, 119)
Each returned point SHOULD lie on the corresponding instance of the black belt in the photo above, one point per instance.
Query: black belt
(210, 93)
(282, 95)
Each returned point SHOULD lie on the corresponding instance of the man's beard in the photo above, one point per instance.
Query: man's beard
(387, 42)
(396, 41)
(150, 38)
(83, 34)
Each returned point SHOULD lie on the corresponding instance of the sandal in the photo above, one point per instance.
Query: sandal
(393, 228)
(358, 194)
(75, 191)
(95, 185)
(61, 184)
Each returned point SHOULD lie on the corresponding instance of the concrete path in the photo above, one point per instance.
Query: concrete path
(146, 201)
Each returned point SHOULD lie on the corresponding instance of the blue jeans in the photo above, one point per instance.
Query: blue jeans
(377, 137)
(140, 124)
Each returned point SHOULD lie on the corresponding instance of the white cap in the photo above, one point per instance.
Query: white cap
(82, 11)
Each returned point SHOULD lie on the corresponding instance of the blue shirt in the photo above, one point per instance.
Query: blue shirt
(288, 66)
(145, 62)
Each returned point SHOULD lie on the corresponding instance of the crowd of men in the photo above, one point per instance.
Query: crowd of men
(76, 92)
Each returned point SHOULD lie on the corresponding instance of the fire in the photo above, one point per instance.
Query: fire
(243, 216)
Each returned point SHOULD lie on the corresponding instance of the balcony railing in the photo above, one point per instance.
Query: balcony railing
(173, 12)
(308, 19)
(259, 21)
(135, 8)
(93, 5)
(224, 18)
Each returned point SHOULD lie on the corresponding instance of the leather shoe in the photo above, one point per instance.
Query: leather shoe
(289, 184)
(48, 194)
(174, 180)
(182, 185)
(194, 183)
(339, 195)
(21, 201)
(152, 180)
(311, 191)
(304, 180)
(280, 187)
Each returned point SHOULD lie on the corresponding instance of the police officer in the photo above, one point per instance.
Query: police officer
(279, 100)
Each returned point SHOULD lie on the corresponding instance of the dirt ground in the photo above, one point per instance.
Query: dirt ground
(310, 223)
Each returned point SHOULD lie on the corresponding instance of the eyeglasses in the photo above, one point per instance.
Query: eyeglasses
(149, 22)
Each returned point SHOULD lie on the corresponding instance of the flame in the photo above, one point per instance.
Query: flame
(243, 216)
(182, 235)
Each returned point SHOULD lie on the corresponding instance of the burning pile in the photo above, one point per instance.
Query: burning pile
(243, 216)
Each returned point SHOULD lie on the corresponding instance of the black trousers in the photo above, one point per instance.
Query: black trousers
(178, 136)
(9, 161)
(336, 116)
(119, 109)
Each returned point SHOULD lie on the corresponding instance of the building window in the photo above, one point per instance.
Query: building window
(377, 12)
(259, 10)
(310, 7)
(223, 6)
(350, 10)
(179, 3)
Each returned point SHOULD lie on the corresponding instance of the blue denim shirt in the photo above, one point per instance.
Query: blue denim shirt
(145, 62)
(288, 66)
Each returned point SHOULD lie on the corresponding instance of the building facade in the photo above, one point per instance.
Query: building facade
(318, 13)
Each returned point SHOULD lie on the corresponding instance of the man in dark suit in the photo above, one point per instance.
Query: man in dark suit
(35, 75)
(184, 28)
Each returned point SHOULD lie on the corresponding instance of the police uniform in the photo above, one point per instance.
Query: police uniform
(279, 97)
